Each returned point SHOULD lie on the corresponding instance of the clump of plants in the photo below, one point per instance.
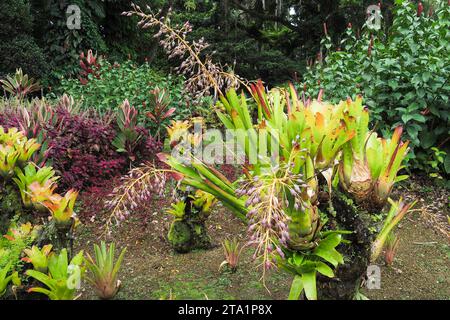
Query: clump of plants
(19, 85)
(32, 188)
(402, 75)
(328, 168)
(188, 230)
(84, 149)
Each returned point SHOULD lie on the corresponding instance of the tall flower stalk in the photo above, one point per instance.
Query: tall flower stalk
(203, 76)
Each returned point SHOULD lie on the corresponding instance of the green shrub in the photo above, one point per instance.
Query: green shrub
(128, 80)
(403, 77)
(18, 49)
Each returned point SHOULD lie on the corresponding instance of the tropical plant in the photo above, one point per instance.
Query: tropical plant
(159, 101)
(15, 148)
(177, 209)
(38, 257)
(19, 85)
(370, 164)
(5, 279)
(17, 238)
(61, 208)
(128, 136)
(232, 251)
(391, 246)
(39, 193)
(63, 278)
(89, 67)
(188, 230)
(32, 174)
(396, 213)
(104, 271)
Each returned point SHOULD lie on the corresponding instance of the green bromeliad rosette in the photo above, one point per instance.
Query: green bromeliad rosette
(303, 157)
(26, 193)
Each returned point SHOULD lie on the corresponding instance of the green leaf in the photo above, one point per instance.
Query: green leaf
(298, 258)
(296, 288)
(324, 269)
(447, 163)
(309, 284)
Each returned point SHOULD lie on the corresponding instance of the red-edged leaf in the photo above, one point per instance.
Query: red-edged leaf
(169, 113)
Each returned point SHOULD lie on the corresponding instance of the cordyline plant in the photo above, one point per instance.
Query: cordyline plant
(158, 103)
(89, 66)
(127, 137)
(20, 85)
(203, 75)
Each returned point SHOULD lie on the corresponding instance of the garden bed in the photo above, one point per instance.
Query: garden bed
(420, 269)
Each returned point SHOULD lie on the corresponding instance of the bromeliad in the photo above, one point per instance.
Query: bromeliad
(104, 271)
(61, 208)
(63, 278)
(32, 174)
(369, 165)
(396, 213)
(38, 257)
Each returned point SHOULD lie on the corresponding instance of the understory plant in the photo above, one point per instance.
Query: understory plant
(63, 278)
(32, 174)
(19, 85)
(391, 246)
(104, 272)
(5, 279)
(232, 250)
(38, 257)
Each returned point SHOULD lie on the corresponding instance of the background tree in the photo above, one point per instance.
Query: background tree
(18, 48)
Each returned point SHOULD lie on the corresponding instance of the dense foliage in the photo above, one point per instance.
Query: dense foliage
(78, 145)
(18, 48)
(403, 77)
(117, 82)
(250, 36)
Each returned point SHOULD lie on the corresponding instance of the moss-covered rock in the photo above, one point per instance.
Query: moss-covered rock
(356, 254)
(180, 236)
